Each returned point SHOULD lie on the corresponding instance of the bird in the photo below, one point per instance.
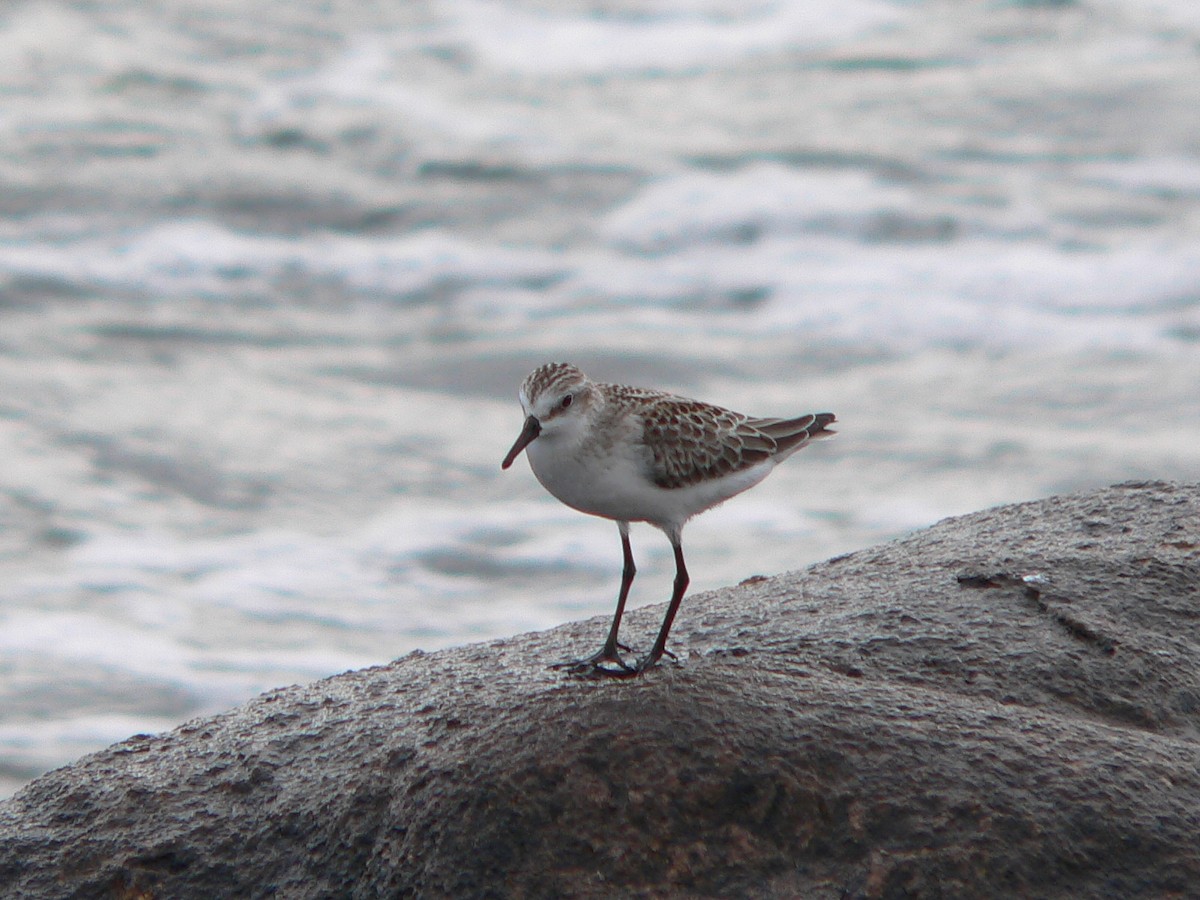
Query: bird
(633, 454)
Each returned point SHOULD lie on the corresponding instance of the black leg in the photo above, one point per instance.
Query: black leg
(681, 584)
(610, 652)
(628, 570)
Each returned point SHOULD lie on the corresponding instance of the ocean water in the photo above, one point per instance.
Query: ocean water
(271, 275)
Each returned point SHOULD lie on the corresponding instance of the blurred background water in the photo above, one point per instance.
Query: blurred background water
(271, 274)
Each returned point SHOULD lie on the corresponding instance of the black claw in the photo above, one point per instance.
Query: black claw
(592, 666)
(652, 659)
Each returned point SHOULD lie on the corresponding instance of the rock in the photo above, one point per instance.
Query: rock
(1005, 704)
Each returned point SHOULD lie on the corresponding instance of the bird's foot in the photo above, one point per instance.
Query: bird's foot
(652, 659)
(593, 666)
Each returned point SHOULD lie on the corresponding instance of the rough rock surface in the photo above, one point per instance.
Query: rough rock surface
(1005, 704)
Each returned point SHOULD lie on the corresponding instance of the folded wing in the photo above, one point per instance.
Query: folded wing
(691, 441)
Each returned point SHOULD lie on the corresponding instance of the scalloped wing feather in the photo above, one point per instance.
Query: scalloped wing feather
(691, 441)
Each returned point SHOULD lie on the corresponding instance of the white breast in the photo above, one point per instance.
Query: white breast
(614, 483)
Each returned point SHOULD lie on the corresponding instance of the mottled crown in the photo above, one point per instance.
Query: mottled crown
(553, 378)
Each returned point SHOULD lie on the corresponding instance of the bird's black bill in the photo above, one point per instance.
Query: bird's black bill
(531, 430)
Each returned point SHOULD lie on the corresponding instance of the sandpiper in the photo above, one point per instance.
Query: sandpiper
(636, 455)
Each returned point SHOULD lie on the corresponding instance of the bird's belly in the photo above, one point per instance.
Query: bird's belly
(618, 488)
(611, 488)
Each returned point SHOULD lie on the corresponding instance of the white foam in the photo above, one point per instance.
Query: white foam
(92, 636)
(1154, 175)
(973, 291)
(367, 85)
(1174, 13)
(702, 206)
(377, 569)
(198, 256)
(806, 242)
(671, 37)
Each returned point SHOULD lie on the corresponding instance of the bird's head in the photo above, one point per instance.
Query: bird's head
(556, 398)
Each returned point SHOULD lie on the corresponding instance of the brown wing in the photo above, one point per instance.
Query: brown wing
(792, 434)
(691, 441)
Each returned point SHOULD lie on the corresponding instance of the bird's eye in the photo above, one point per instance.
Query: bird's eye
(568, 400)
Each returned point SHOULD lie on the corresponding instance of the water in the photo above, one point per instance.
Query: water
(270, 277)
